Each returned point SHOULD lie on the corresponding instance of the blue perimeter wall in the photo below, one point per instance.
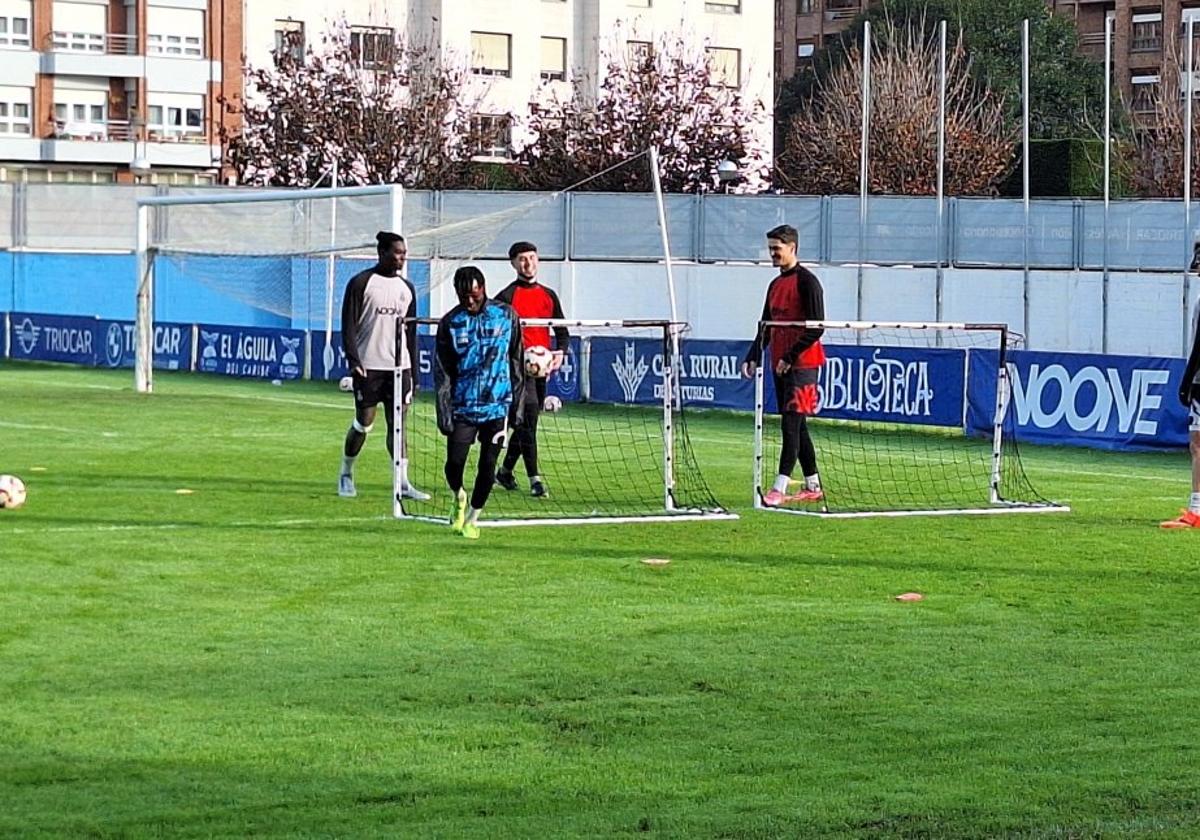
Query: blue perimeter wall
(103, 286)
(78, 308)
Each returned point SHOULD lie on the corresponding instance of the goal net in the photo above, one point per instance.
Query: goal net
(601, 455)
(280, 259)
(912, 419)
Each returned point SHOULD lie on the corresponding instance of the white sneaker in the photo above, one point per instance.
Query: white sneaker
(410, 492)
(346, 487)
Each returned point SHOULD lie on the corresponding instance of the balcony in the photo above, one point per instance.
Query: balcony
(107, 54)
(104, 43)
(108, 131)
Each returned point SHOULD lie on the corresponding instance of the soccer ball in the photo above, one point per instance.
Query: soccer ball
(12, 492)
(537, 362)
(552, 404)
(346, 383)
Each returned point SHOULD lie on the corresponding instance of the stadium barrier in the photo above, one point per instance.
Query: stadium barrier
(1078, 399)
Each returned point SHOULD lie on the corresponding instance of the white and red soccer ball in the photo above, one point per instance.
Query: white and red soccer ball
(12, 492)
(538, 361)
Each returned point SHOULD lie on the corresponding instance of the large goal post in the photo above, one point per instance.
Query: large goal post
(604, 457)
(914, 419)
(242, 246)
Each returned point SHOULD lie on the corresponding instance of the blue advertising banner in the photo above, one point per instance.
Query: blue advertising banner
(115, 345)
(1078, 399)
(53, 338)
(893, 384)
(630, 370)
(257, 352)
(922, 385)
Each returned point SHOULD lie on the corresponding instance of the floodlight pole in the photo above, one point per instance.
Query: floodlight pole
(864, 152)
(1108, 22)
(1025, 169)
(941, 173)
(1187, 180)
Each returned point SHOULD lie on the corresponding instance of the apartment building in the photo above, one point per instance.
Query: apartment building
(803, 26)
(1148, 37)
(518, 49)
(100, 91)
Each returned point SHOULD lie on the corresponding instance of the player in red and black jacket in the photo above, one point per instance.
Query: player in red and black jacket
(796, 357)
(531, 299)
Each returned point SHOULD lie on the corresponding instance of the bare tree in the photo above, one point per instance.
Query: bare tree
(671, 95)
(821, 151)
(388, 112)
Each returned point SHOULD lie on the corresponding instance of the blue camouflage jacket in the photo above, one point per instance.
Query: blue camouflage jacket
(479, 370)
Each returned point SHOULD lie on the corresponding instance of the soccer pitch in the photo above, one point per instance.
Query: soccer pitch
(260, 657)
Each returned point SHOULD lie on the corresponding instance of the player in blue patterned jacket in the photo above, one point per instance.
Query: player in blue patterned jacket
(480, 379)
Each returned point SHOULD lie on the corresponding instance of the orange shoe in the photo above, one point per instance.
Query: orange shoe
(1186, 519)
(808, 496)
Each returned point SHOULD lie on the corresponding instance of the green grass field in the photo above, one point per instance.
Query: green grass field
(260, 657)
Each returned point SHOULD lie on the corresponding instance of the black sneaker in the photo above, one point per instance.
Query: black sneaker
(506, 480)
(537, 489)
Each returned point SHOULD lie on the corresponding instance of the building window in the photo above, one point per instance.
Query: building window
(491, 54)
(14, 31)
(805, 50)
(728, 7)
(81, 114)
(175, 32)
(493, 135)
(639, 52)
(726, 66)
(175, 118)
(14, 113)
(289, 39)
(1145, 94)
(554, 59)
(1147, 33)
(804, 7)
(373, 47)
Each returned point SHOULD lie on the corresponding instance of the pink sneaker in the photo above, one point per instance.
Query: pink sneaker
(808, 496)
(1186, 519)
(774, 498)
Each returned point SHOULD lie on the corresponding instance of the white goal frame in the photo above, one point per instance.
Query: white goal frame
(1003, 395)
(670, 512)
(144, 312)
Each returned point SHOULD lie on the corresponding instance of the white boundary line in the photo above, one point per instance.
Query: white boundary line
(180, 526)
(897, 513)
(583, 520)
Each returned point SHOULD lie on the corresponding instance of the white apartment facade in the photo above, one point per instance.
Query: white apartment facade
(97, 90)
(519, 49)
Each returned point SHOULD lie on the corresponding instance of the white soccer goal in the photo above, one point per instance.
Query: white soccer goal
(620, 452)
(914, 420)
(242, 249)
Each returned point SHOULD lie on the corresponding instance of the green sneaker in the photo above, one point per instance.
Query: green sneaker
(470, 530)
(458, 511)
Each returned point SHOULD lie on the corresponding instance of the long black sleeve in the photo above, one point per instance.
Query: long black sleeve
(352, 307)
(760, 336)
(516, 367)
(812, 301)
(410, 334)
(445, 371)
(1193, 364)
